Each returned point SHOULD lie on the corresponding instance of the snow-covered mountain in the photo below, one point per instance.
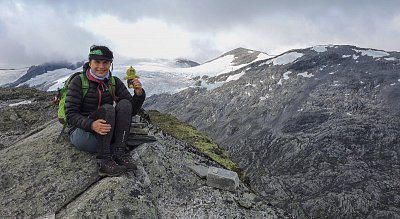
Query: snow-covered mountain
(316, 130)
(158, 75)
(11, 75)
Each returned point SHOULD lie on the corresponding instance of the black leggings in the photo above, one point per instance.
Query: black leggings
(120, 119)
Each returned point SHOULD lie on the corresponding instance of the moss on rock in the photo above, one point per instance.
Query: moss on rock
(184, 132)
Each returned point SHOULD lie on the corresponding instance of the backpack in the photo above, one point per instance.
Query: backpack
(61, 96)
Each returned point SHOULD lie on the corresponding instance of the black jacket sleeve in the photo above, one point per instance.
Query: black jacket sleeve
(123, 93)
(73, 103)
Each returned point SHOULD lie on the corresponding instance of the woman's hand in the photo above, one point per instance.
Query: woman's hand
(101, 127)
(137, 86)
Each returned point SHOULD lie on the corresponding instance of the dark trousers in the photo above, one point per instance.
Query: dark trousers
(119, 118)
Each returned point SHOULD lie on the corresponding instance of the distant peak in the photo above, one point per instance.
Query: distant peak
(240, 50)
(185, 62)
(241, 55)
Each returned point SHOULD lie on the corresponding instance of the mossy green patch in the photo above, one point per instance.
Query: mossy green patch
(190, 135)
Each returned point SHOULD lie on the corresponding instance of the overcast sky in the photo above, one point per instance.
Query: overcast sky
(33, 32)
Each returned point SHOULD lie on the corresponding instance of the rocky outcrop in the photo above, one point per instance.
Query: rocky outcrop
(315, 130)
(23, 111)
(42, 178)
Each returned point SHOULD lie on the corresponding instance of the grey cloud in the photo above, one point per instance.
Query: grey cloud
(211, 14)
(270, 26)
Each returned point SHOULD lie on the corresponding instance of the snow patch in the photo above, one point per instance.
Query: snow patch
(280, 81)
(261, 56)
(373, 53)
(306, 75)
(319, 48)
(250, 51)
(235, 77)
(355, 57)
(214, 68)
(284, 59)
(286, 75)
(59, 83)
(390, 59)
(346, 56)
(250, 85)
(20, 103)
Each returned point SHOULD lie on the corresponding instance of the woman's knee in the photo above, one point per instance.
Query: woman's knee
(108, 107)
(124, 104)
(83, 140)
(109, 110)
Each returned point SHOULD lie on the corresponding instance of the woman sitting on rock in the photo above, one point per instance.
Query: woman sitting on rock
(101, 119)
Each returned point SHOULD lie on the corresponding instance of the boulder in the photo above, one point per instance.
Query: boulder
(222, 179)
(200, 170)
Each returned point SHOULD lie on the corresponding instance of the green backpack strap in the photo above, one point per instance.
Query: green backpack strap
(112, 87)
(85, 85)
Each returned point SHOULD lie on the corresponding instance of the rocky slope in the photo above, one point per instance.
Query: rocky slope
(22, 111)
(44, 179)
(316, 129)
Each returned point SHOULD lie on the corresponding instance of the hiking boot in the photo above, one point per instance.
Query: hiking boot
(125, 160)
(109, 167)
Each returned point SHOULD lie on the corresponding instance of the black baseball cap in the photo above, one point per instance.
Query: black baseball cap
(100, 53)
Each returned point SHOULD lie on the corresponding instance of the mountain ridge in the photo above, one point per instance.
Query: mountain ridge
(305, 126)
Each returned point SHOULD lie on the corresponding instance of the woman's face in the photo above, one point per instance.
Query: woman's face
(100, 67)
